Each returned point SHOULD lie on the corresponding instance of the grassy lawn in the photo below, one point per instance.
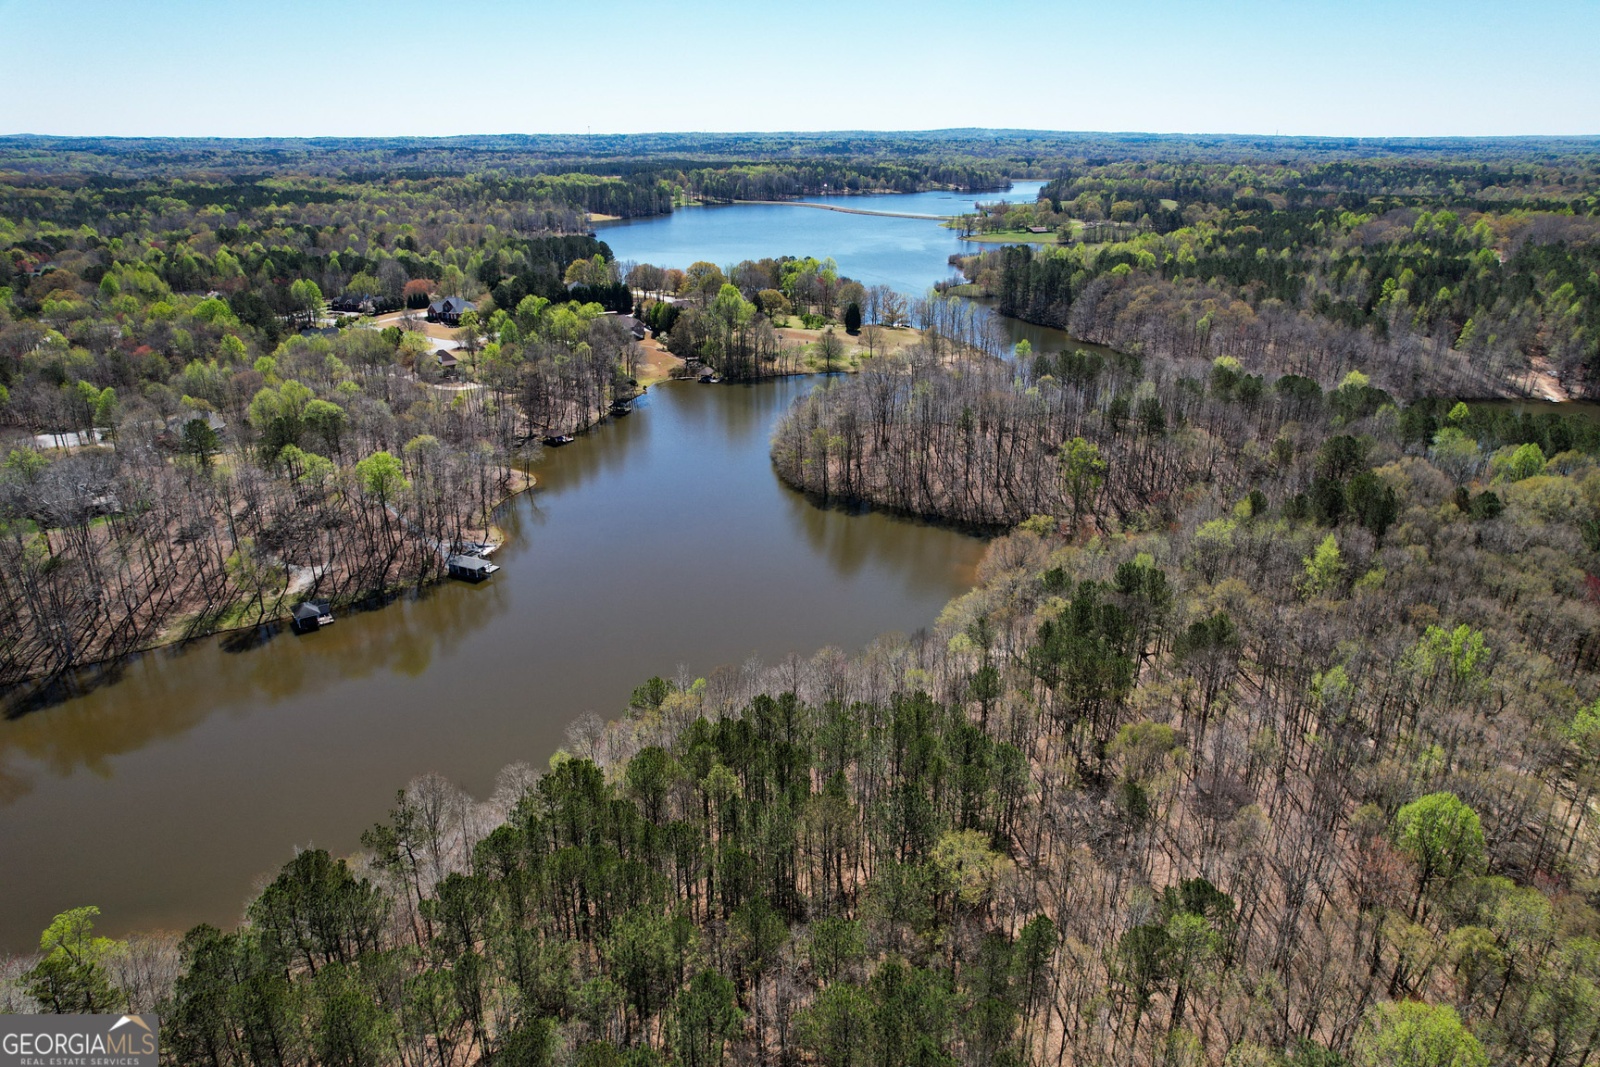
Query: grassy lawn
(884, 342)
(964, 289)
(657, 364)
(1013, 237)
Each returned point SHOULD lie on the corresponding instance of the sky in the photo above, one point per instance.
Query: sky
(360, 68)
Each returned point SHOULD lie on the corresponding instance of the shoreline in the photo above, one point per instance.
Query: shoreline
(16, 698)
(29, 692)
(655, 370)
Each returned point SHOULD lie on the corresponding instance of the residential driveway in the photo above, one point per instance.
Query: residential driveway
(435, 330)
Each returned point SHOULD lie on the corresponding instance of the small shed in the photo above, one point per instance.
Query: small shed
(448, 363)
(311, 615)
(470, 568)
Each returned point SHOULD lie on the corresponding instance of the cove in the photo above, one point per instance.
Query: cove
(659, 540)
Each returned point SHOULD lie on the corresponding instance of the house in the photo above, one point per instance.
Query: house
(448, 363)
(449, 310)
(639, 330)
(310, 615)
(470, 568)
(357, 303)
(174, 424)
(1038, 229)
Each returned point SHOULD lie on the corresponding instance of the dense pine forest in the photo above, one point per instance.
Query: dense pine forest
(1268, 735)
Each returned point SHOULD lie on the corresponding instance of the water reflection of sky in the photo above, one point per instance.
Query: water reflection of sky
(908, 254)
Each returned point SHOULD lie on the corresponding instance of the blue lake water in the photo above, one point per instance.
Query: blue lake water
(905, 253)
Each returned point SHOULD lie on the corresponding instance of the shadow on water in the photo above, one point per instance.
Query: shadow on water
(858, 535)
(248, 639)
(112, 709)
(25, 698)
(660, 539)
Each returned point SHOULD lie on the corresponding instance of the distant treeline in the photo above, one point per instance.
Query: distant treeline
(1030, 153)
(1440, 275)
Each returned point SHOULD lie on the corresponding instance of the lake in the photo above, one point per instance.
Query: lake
(907, 254)
(657, 540)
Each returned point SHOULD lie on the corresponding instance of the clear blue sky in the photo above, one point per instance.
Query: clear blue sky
(347, 67)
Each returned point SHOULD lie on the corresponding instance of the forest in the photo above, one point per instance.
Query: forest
(200, 426)
(1438, 276)
(1267, 737)
(1299, 773)
(214, 401)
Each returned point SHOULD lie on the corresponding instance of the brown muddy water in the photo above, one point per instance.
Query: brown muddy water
(662, 539)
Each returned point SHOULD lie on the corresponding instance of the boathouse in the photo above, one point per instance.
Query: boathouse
(311, 615)
(470, 568)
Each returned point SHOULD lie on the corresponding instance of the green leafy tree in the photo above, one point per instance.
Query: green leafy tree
(105, 408)
(382, 476)
(1526, 461)
(1193, 946)
(1082, 471)
(1413, 1034)
(326, 420)
(277, 412)
(968, 868)
(1442, 836)
(73, 978)
(1455, 453)
(1323, 569)
(306, 302)
(25, 465)
(1456, 658)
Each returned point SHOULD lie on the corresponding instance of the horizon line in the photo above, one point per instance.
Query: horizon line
(1009, 131)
